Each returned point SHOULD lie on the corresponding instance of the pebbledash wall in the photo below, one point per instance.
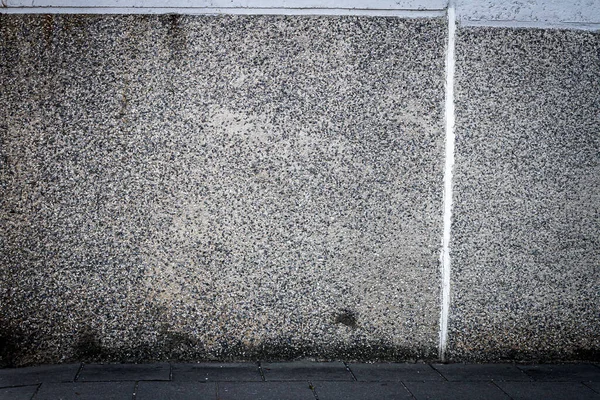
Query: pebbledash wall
(243, 180)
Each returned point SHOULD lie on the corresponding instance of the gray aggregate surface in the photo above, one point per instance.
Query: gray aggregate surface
(563, 372)
(175, 391)
(395, 372)
(477, 372)
(455, 390)
(306, 371)
(87, 391)
(39, 374)
(124, 372)
(18, 393)
(525, 246)
(211, 372)
(362, 390)
(220, 187)
(265, 391)
(548, 390)
(309, 380)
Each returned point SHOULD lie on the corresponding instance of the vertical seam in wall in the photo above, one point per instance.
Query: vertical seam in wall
(449, 165)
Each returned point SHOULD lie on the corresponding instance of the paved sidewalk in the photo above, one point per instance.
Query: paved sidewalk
(301, 381)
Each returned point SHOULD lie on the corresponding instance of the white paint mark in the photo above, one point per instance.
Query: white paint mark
(449, 165)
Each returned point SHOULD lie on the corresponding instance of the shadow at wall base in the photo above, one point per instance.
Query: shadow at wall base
(16, 350)
(496, 355)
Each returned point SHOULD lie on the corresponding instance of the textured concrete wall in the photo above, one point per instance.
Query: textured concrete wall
(525, 242)
(220, 187)
(187, 187)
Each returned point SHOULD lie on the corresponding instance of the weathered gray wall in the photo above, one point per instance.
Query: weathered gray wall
(526, 232)
(248, 187)
(220, 187)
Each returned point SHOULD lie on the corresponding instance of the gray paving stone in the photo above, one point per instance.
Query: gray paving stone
(306, 371)
(455, 390)
(18, 393)
(563, 372)
(176, 391)
(361, 390)
(394, 372)
(264, 391)
(87, 391)
(215, 372)
(124, 372)
(39, 374)
(548, 391)
(481, 372)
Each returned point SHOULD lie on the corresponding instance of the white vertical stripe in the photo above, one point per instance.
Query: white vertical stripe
(449, 165)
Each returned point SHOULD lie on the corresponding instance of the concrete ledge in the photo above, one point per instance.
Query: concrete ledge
(403, 8)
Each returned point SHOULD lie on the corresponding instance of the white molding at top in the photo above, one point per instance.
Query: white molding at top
(562, 14)
(413, 5)
(585, 26)
(397, 8)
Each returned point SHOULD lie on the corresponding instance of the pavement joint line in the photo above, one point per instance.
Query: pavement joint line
(313, 390)
(37, 389)
(408, 390)
(591, 388)
(350, 370)
(135, 389)
(448, 167)
(525, 373)
(439, 372)
(78, 372)
(531, 378)
(260, 371)
(18, 386)
(503, 391)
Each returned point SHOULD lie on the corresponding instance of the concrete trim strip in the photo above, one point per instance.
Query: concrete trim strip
(233, 10)
(350, 4)
(588, 26)
(449, 165)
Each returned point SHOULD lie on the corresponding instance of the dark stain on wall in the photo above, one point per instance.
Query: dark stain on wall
(346, 317)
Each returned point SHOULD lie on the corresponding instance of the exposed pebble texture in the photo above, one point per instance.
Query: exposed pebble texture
(220, 187)
(525, 238)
